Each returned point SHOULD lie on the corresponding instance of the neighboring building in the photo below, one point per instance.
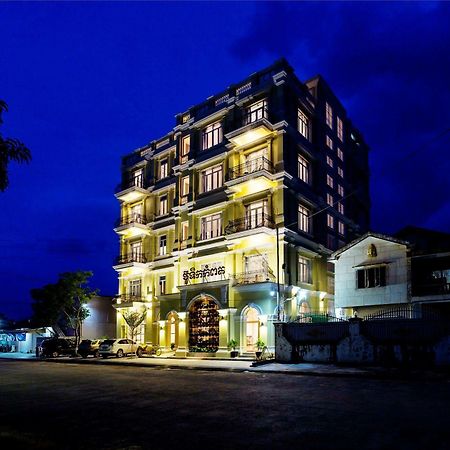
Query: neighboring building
(378, 273)
(23, 340)
(102, 319)
(227, 221)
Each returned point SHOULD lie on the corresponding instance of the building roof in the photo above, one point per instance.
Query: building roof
(384, 237)
(425, 241)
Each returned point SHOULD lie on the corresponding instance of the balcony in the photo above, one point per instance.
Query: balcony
(255, 126)
(131, 225)
(251, 222)
(437, 288)
(259, 276)
(125, 261)
(250, 166)
(127, 300)
(131, 190)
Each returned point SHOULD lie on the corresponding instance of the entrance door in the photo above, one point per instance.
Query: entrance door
(251, 329)
(204, 325)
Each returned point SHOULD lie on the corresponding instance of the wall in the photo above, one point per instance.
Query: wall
(102, 319)
(397, 280)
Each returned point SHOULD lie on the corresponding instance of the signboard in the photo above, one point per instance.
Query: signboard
(204, 273)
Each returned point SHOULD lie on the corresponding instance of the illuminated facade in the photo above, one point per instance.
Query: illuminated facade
(227, 221)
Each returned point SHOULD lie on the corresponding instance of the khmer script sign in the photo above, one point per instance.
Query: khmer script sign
(204, 273)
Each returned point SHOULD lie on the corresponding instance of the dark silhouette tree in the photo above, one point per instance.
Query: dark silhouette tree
(64, 301)
(10, 150)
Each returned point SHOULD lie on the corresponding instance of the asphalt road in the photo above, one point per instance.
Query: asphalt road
(69, 406)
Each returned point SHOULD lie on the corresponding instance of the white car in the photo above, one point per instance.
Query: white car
(117, 347)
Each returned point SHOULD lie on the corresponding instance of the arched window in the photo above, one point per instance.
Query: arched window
(172, 329)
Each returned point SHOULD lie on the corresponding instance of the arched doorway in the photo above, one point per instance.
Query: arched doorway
(172, 329)
(204, 325)
(251, 327)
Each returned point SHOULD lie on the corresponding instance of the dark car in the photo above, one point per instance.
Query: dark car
(51, 348)
(89, 347)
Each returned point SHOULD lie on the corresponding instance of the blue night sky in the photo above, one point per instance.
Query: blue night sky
(89, 82)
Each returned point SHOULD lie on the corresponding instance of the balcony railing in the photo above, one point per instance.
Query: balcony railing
(128, 298)
(255, 115)
(131, 258)
(138, 182)
(250, 222)
(259, 276)
(250, 166)
(131, 218)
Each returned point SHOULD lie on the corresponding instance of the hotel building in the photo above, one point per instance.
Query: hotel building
(227, 221)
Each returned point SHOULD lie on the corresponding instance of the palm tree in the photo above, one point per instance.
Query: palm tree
(10, 150)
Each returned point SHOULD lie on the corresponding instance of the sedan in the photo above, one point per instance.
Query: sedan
(117, 347)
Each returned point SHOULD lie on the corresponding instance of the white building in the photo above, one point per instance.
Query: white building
(372, 273)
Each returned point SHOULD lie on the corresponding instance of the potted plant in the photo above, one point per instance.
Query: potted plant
(173, 347)
(232, 345)
(260, 344)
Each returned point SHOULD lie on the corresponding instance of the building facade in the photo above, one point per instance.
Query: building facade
(227, 221)
(381, 275)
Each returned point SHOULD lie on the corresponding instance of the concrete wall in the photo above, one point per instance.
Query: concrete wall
(347, 295)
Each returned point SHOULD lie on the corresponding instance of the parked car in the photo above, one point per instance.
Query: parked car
(54, 347)
(117, 347)
(89, 347)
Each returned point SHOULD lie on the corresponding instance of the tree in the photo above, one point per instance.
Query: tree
(64, 301)
(133, 319)
(10, 150)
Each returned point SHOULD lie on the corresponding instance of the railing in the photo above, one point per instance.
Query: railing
(250, 222)
(256, 114)
(131, 218)
(131, 258)
(127, 298)
(250, 166)
(317, 317)
(183, 158)
(259, 276)
(402, 312)
(132, 182)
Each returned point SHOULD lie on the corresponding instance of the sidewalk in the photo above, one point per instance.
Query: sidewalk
(238, 365)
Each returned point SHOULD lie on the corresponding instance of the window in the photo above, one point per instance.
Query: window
(340, 154)
(184, 231)
(162, 284)
(136, 251)
(330, 181)
(330, 161)
(330, 200)
(212, 135)
(212, 178)
(341, 207)
(137, 178)
(303, 124)
(211, 226)
(340, 190)
(330, 241)
(340, 171)
(340, 129)
(329, 115)
(163, 205)
(304, 270)
(341, 227)
(329, 142)
(256, 215)
(136, 213)
(163, 169)
(185, 149)
(184, 188)
(371, 277)
(135, 288)
(330, 221)
(303, 169)
(304, 219)
(163, 245)
(256, 112)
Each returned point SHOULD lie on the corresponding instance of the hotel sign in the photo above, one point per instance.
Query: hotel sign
(203, 274)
